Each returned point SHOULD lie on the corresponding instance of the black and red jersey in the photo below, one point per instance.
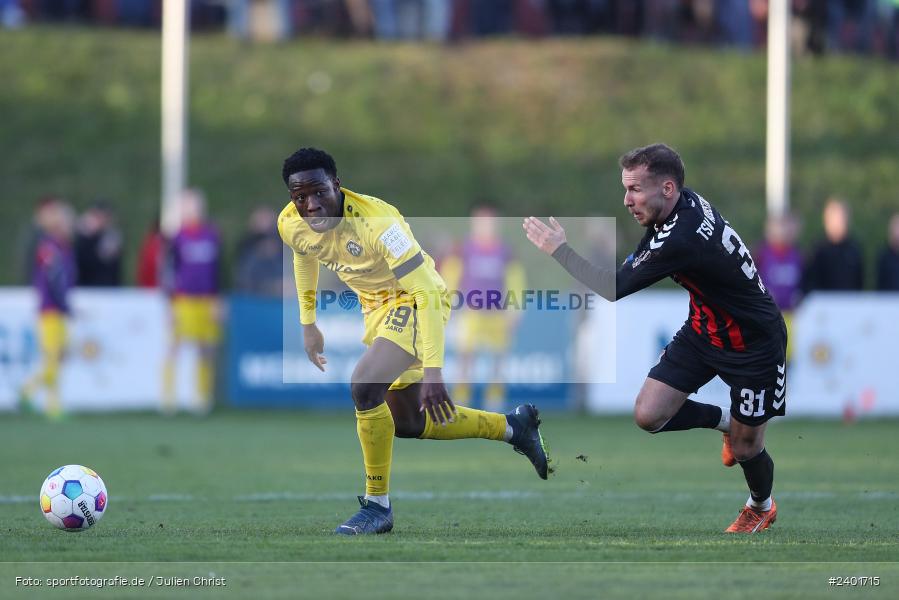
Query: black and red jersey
(730, 308)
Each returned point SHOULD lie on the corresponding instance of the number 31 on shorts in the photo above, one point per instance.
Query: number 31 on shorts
(753, 404)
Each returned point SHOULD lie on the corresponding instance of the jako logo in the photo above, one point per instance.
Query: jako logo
(374, 477)
(348, 300)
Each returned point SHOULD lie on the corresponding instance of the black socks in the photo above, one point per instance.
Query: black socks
(693, 415)
(759, 473)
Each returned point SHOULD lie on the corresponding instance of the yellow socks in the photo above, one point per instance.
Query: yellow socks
(376, 429)
(168, 385)
(468, 423)
(50, 379)
(462, 394)
(205, 374)
(494, 397)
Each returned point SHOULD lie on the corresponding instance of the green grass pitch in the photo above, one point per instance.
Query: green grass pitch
(254, 496)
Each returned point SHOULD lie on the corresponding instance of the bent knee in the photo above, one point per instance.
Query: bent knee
(366, 395)
(746, 449)
(648, 420)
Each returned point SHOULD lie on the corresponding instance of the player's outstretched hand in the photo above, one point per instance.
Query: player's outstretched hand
(314, 345)
(435, 399)
(546, 237)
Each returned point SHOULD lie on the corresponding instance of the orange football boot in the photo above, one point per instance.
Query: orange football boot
(752, 520)
(727, 455)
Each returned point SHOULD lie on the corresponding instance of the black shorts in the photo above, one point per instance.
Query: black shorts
(757, 378)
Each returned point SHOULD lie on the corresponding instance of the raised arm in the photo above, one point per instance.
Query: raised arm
(657, 260)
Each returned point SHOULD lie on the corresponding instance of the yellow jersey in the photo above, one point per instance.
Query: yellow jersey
(374, 252)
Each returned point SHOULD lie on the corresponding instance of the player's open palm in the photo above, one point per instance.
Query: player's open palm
(314, 345)
(547, 237)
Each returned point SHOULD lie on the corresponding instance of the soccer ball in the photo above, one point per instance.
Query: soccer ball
(73, 498)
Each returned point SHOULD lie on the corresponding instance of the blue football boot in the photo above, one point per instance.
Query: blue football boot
(371, 518)
(526, 438)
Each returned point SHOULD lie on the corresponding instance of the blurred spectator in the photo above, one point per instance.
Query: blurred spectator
(63, 10)
(851, 24)
(699, 23)
(195, 259)
(11, 14)
(577, 17)
(259, 256)
(661, 21)
(888, 261)
(32, 236)
(892, 19)
(98, 247)
(484, 266)
(838, 25)
(735, 22)
(411, 19)
(137, 13)
(490, 18)
(360, 15)
(435, 19)
(836, 263)
(810, 25)
(54, 275)
(384, 15)
(780, 263)
(149, 258)
(260, 20)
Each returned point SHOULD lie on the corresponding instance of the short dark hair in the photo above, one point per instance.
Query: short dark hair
(308, 159)
(658, 159)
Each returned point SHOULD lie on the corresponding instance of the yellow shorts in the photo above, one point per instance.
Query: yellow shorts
(396, 321)
(51, 331)
(788, 321)
(484, 330)
(195, 319)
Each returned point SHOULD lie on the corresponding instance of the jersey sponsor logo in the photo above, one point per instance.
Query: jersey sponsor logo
(353, 248)
(396, 241)
(339, 268)
(662, 234)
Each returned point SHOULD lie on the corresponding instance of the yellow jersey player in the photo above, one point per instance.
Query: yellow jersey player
(194, 257)
(397, 387)
(53, 276)
(484, 266)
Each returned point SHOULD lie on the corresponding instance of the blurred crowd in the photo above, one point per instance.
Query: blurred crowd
(836, 262)
(863, 26)
(96, 246)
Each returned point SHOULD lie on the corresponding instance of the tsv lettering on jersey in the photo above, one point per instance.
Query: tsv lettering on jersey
(707, 227)
(639, 259)
(662, 234)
